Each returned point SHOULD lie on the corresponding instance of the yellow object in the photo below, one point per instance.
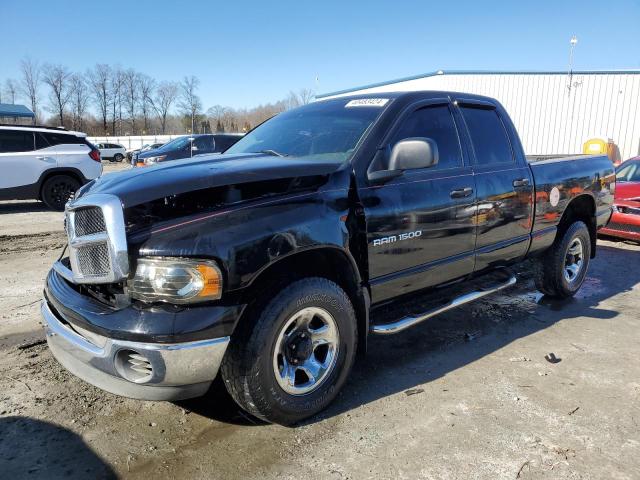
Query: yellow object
(595, 146)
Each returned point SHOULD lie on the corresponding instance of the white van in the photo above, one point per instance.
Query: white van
(47, 164)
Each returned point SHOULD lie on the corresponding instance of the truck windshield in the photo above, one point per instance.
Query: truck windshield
(325, 131)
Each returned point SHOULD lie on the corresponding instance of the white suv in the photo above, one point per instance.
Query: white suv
(47, 164)
(112, 151)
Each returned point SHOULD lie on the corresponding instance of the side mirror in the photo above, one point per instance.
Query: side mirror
(411, 153)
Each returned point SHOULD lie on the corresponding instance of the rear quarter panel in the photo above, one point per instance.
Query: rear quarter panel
(77, 156)
(558, 182)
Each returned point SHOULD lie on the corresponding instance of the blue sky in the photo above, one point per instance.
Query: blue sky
(250, 52)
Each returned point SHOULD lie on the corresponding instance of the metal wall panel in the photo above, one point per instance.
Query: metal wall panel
(550, 117)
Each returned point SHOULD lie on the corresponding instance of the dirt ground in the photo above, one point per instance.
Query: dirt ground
(468, 395)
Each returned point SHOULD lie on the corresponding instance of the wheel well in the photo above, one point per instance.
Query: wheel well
(327, 262)
(581, 208)
(52, 173)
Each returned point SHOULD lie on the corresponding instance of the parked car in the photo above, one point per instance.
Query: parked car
(625, 222)
(114, 152)
(47, 164)
(132, 153)
(274, 261)
(188, 146)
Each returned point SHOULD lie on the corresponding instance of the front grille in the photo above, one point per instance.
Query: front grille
(97, 239)
(89, 221)
(624, 227)
(93, 260)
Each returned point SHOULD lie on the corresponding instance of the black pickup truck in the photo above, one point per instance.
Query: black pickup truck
(270, 264)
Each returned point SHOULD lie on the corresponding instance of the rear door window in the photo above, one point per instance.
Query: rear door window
(62, 139)
(12, 141)
(488, 136)
(434, 122)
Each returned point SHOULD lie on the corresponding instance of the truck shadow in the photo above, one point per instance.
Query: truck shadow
(31, 448)
(25, 206)
(457, 338)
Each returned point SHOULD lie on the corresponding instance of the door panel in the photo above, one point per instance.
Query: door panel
(504, 216)
(418, 236)
(18, 163)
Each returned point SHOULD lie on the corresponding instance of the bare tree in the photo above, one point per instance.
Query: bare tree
(99, 81)
(57, 78)
(306, 96)
(79, 101)
(11, 89)
(147, 87)
(131, 87)
(217, 113)
(166, 94)
(115, 86)
(190, 103)
(31, 79)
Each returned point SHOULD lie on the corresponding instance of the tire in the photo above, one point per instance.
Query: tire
(58, 190)
(262, 350)
(118, 157)
(570, 252)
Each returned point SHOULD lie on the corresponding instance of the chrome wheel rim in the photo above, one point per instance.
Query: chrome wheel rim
(306, 350)
(573, 261)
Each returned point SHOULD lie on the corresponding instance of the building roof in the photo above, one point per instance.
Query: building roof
(480, 72)
(15, 111)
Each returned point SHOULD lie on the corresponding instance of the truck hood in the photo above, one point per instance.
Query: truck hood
(142, 185)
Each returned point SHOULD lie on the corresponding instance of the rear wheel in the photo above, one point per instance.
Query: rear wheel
(291, 360)
(563, 268)
(58, 190)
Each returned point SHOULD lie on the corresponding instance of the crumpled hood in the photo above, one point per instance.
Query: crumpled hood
(141, 185)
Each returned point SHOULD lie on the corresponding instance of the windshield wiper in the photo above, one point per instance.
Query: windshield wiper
(273, 152)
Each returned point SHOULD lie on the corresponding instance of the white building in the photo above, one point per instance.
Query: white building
(554, 112)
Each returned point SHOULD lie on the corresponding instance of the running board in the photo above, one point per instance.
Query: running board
(411, 320)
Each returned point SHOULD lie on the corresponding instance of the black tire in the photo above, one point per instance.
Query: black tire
(58, 190)
(248, 369)
(550, 275)
(118, 157)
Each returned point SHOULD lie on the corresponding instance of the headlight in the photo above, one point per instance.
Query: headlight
(151, 160)
(175, 280)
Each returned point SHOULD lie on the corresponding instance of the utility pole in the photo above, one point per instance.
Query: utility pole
(572, 44)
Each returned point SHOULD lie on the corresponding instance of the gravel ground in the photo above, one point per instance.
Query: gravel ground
(468, 395)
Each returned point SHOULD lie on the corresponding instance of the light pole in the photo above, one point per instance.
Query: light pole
(573, 42)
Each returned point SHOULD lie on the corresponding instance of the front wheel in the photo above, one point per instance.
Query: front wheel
(563, 268)
(118, 157)
(291, 360)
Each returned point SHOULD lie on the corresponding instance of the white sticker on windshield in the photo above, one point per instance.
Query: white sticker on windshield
(367, 102)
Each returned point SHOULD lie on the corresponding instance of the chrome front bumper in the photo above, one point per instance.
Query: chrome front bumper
(176, 371)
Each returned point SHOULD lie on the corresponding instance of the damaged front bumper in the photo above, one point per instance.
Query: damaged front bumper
(147, 370)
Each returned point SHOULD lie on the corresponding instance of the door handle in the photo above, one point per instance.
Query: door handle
(461, 193)
(521, 182)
